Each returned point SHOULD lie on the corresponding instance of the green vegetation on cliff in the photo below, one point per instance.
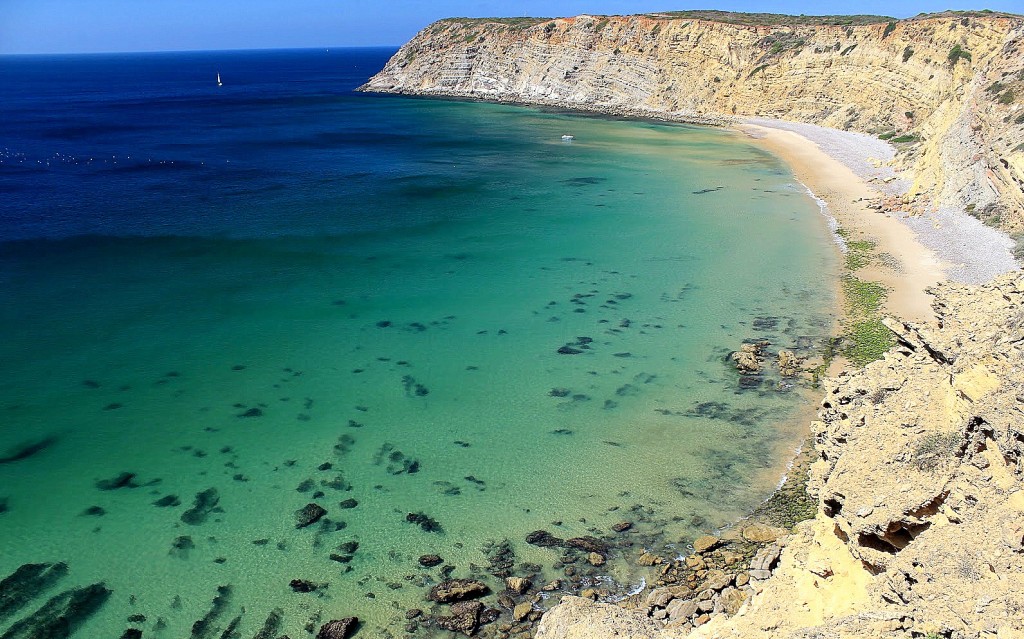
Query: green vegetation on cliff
(771, 19)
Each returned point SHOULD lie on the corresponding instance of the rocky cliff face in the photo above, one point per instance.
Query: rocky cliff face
(920, 529)
(951, 86)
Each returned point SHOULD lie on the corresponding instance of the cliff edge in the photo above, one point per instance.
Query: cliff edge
(946, 89)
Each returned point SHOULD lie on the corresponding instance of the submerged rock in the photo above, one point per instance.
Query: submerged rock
(588, 544)
(338, 628)
(544, 539)
(429, 561)
(61, 616)
(26, 583)
(203, 628)
(123, 480)
(181, 546)
(427, 523)
(26, 450)
(457, 590)
(309, 515)
(303, 585)
(272, 625)
(205, 503)
(167, 501)
(465, 618)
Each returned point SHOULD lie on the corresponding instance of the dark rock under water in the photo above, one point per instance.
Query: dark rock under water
(61, 616)
(26, 583)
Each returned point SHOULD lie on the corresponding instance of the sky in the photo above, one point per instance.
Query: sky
(91, 26)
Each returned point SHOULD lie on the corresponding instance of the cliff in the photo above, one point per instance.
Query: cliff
(947, 89)
(920, 481)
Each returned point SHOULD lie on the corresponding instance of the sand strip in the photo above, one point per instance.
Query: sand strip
(911, 268)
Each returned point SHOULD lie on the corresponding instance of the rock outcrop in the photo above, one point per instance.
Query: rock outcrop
(920, 482)
(947, 88)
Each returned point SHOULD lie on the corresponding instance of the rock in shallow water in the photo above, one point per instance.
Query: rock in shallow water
(457, 590)
(309, 515)
(61, 616)
(338, 628)
(544, 539)
(465, 618)
(204, 504)
(27, 583)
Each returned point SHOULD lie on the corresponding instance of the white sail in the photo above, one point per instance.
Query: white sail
(219, 83)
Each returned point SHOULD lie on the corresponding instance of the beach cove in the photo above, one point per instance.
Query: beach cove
(907, 133)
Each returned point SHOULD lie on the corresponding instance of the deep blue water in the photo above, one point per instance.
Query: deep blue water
(148, 144)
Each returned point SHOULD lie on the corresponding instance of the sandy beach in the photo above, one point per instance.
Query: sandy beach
(848, 196)
(850, 173)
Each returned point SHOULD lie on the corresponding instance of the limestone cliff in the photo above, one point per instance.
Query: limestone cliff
(920, 529)
(947, 89)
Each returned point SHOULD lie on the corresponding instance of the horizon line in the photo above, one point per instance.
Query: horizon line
(172, 51)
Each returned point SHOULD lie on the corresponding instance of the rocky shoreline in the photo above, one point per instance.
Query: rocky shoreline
(919, 484)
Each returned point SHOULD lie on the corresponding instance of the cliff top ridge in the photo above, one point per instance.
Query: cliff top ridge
(753, 19)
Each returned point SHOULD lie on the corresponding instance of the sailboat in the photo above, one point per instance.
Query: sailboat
(219, 83)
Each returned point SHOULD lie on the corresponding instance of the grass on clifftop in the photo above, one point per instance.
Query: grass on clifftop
(520, 23)
(771, 19)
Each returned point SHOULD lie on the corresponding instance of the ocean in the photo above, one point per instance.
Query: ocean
(437, 321)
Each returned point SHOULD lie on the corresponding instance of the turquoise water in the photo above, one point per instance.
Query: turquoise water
(381, 321)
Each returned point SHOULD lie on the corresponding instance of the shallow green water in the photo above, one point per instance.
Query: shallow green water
(431, 346)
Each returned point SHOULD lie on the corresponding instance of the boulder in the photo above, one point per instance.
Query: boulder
(761, 534)
(681, 609)
(429, 561)
(717, 579)
(731, 600)
(648, 559)
(659, 598)
(517, 585)
(521, 611)
(595, 559)
(748, 358)
(706, 543)
(789, 363)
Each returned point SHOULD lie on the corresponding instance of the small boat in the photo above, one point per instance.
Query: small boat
(568, 138)
(219, 83)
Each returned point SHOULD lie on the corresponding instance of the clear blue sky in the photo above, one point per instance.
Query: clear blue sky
(72, 26)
